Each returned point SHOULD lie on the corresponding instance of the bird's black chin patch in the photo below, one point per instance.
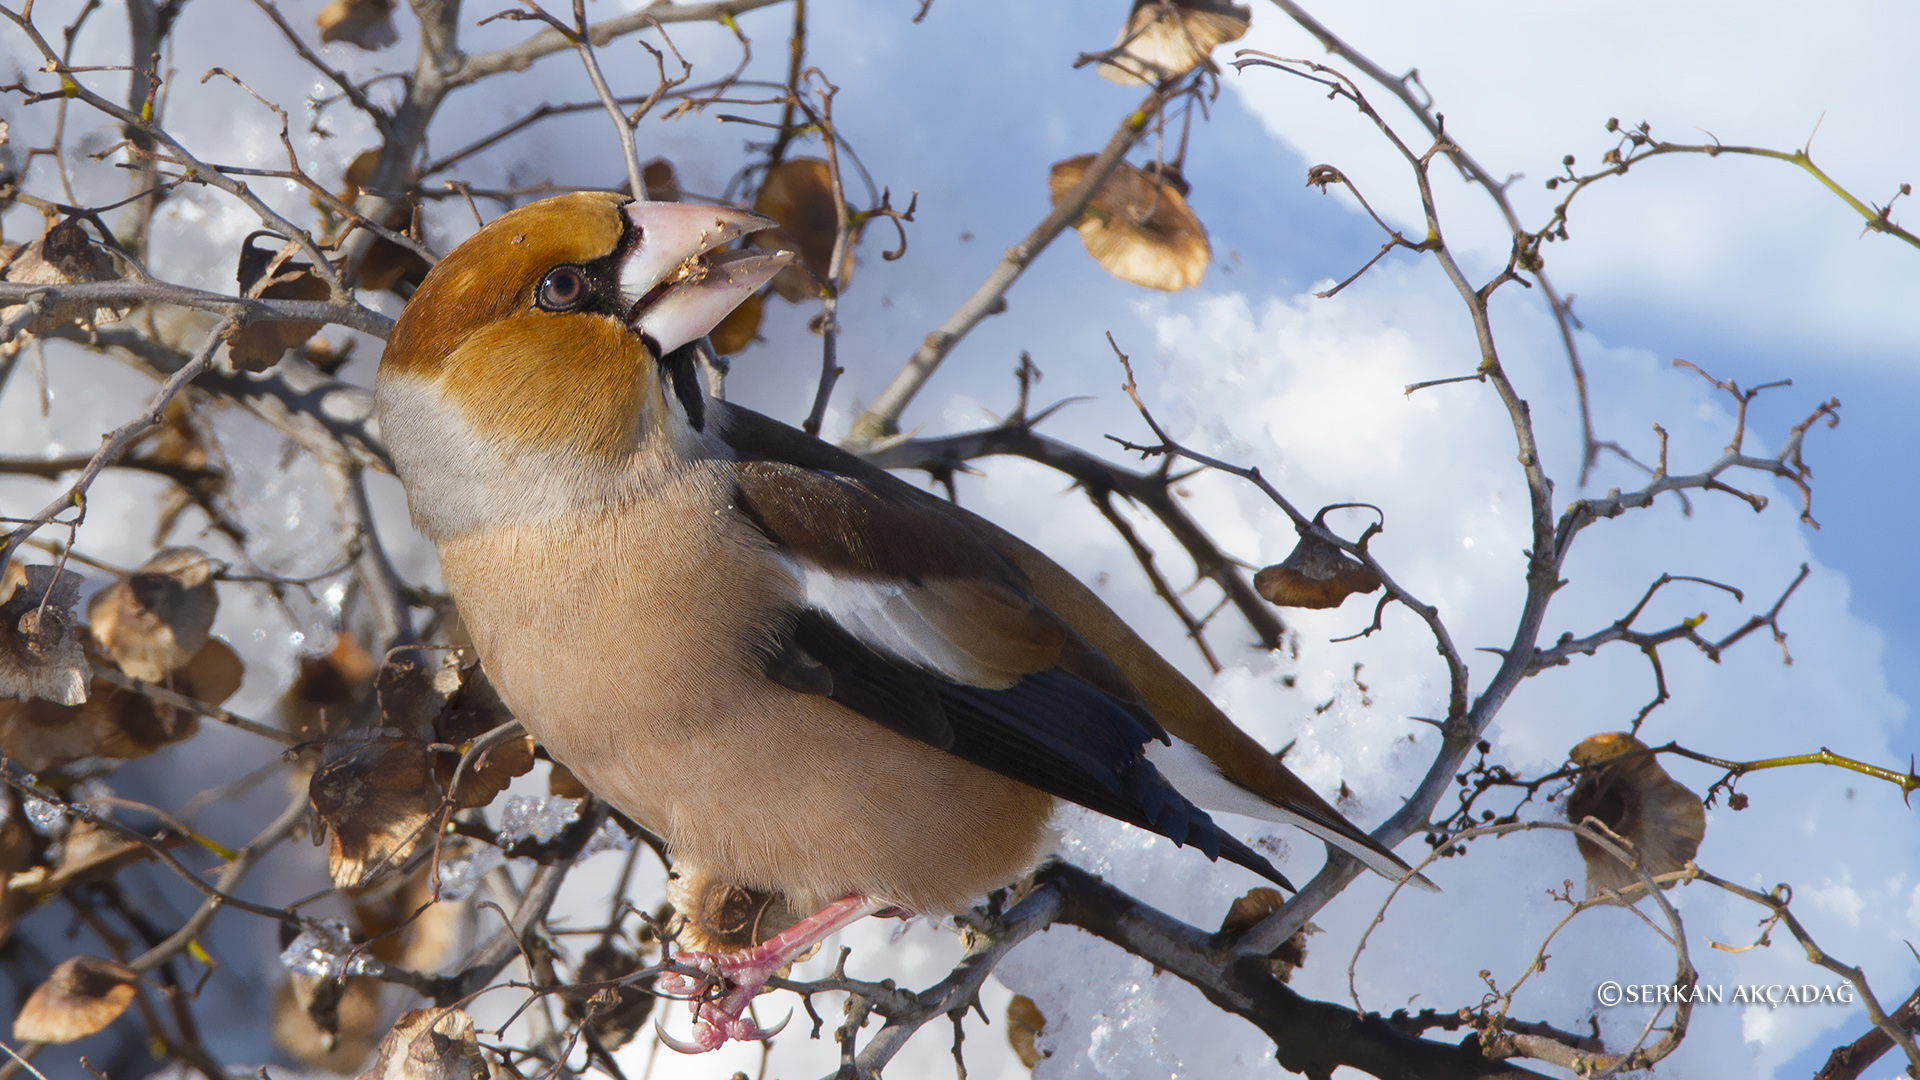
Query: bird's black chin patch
(683, 370)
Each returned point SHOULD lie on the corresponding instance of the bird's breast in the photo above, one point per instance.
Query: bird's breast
(631, 642)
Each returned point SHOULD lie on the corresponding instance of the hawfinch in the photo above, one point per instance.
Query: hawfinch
(807, 675)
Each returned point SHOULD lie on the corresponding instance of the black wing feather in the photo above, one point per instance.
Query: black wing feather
(1052, 730)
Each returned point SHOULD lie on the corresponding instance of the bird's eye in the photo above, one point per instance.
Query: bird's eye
(563, 289)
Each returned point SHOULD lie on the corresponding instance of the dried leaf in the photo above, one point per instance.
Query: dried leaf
(341, 1036)
(180, 441)
(798, 193)
(386, 264)
(82, 996)
(402, 925)
(1138, 225)
(1257, 904)
(141, 725)
(615, 1014)
(152, 622)
(662, 182)
(89, 852)
(19, 848)
(116, 722)
(1656, 814)
(414, 695)
(65, 255)
(15, 901)
(41, 655)
(453, 705)
(430, 1044)
(1315, 575)
(562, 782)
(366, 23)
(1025, 1024)
(258, 346)
(1164, 41)
(490, 774)
(329, 688)
(379, 800)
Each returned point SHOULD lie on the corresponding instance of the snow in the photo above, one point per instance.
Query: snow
(321, 950)
(539, 818)
(461, 875)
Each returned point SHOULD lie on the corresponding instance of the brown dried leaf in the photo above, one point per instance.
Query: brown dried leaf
(379, 800)
(116, 722)
(178, 440)
(340, 1036)
(1166, 40)
(562, 782)
(325, 694)
(1315, 575)
(1025, 1024)
(1656, 814)
(41, 653)
(402, 925)
(19, 845)
(490, 774)
(82, 995)
(413, 696)
(41, 735)
(429, 1044)
(1257, 904)
(15, 901)
(386, 264)
(616, 1013)
(258, 346)
(152, 622)
(63, 256)
(798, 193)
(663, 183)
(453, 705)
(1138, 225)
(365, 23)
(89, 853)
(141, 725)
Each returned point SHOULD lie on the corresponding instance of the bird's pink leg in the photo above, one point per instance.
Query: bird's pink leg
(742, 974)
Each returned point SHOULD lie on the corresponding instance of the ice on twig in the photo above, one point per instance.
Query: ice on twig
(322, 951)
(536, 817)
(609, 837)
(459, 877)
(45, 817)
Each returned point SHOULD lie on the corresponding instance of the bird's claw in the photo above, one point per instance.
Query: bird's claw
(719, 998)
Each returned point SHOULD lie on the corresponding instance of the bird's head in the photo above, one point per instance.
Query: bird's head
(550, 345)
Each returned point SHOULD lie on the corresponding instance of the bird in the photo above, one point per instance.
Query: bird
(807, 675)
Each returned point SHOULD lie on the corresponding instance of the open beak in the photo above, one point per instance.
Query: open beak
(676, 285)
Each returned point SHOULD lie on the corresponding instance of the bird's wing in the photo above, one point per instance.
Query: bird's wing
(1209, 759)
(910, 619)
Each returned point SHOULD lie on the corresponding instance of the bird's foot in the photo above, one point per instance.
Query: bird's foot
(719, 996)
(728, 982)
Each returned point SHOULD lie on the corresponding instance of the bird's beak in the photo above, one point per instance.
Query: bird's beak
(675, 283)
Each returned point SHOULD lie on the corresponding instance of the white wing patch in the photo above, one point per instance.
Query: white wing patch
(1194, 775)
(886, 616)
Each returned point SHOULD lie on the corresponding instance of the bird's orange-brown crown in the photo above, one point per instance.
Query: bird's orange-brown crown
(477, 327)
